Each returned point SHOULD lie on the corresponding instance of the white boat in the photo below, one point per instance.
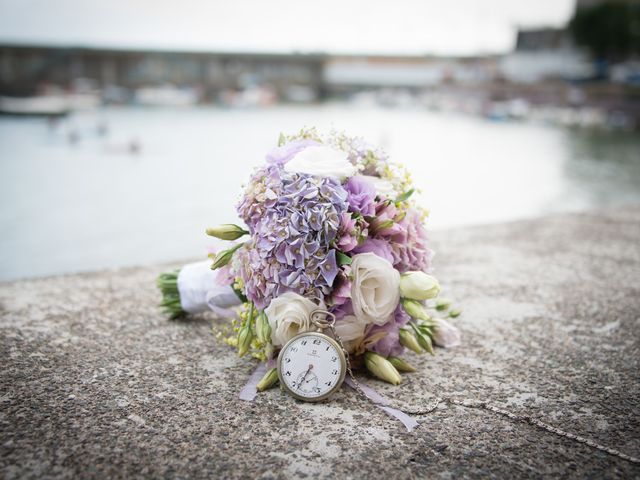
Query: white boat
(49, 106)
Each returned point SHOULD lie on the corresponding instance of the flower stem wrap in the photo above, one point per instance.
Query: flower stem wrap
(193, 289)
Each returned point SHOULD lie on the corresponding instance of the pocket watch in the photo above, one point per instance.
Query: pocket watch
(312, 365)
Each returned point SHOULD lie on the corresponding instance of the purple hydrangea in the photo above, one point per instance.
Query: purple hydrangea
(260, 195)
(294, 220)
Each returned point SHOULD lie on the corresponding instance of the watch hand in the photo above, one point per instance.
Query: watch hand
(305, 375)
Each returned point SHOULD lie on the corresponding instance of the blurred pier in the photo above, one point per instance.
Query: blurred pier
(544, 78)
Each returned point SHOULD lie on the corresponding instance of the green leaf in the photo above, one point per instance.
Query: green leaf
(343, 259)
(405, 196)
(281, 139)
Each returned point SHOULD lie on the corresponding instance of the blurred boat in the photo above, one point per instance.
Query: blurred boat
(52, 105)
(44, 106)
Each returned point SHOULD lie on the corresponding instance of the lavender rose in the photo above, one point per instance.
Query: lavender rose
(390, 343)
(362, 195)
(378, 246)
(348, 233)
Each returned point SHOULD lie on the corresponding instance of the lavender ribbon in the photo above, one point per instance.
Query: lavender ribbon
(250, 390)
(383, 403)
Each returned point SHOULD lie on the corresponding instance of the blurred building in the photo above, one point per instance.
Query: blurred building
(546, 54)
(348, 73)
(179, 78)
(119, 74)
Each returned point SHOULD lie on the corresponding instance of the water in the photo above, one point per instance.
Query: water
(67, 208)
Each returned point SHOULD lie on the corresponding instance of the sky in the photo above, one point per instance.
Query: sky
(451, 27)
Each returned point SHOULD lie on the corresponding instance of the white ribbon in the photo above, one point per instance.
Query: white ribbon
(199, 293)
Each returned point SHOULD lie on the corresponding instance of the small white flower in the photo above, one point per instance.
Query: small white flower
(289, 315)
(383, 187)
(322, 161)
(445, 335)
(375, 288)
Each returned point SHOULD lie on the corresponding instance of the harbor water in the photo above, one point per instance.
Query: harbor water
(131, 186)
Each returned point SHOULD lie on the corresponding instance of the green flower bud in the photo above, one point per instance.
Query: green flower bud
(408, 339)
(443, 304)
(263, 329)
(418, 286)
(382, 368)
(269, 380)
(227, 231)
(224, 257)
(415, 309)
(426, 343)
(426, 328)
(244, 340)
(455, 313)
(401, 365)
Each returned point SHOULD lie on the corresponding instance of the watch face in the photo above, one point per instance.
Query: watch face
(311, 366)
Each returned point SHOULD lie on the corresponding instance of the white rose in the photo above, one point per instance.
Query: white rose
(375, 288)
(321, 161)
(383, 187)
(445, 335)
(289, 315)
(351, 331)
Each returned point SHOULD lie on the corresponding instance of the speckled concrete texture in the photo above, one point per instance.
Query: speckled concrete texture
(96, 383)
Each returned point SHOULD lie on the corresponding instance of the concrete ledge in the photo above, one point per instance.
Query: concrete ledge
(97, 383)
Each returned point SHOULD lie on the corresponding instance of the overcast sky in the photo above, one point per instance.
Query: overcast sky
(450, 27)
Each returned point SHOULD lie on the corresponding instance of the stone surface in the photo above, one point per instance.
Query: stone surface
(97, 383)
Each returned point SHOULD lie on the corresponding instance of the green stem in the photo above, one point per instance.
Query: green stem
(250, 314)
(168, 285)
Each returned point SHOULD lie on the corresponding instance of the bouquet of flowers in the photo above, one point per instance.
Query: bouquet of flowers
(331, 223)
